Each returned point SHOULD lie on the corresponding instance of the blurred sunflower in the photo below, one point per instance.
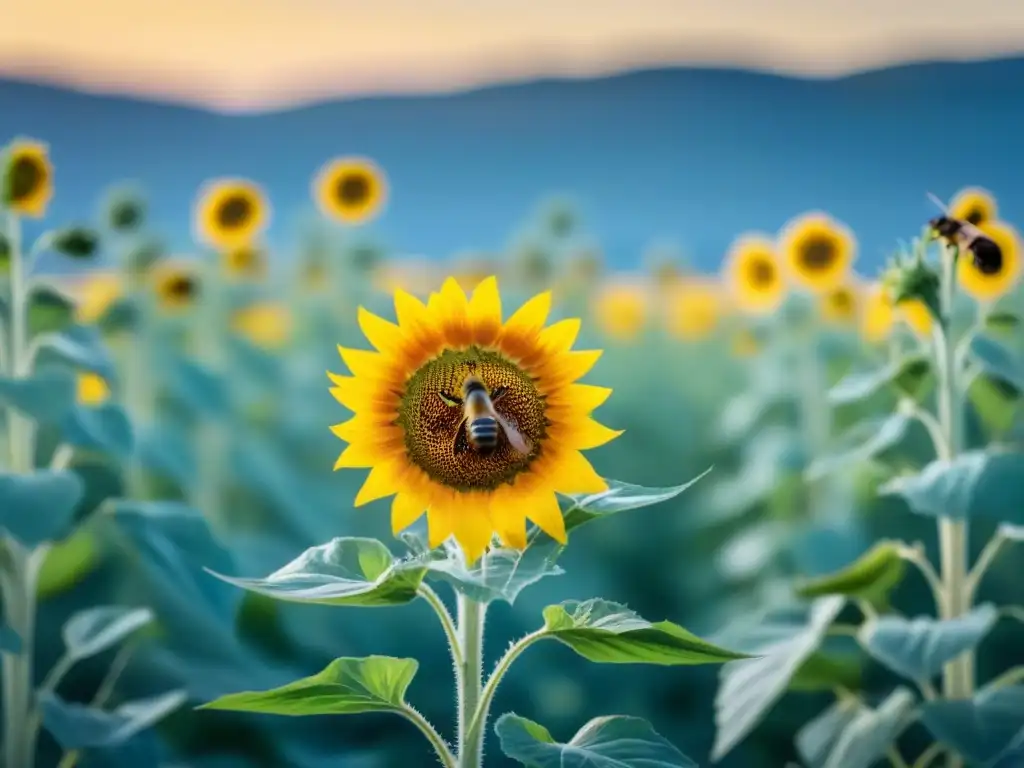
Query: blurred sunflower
(267, 325)
(176, 286)
(621, 309)
(693, 309)
(878, 315)
(409, 427)
(841, 305)
(818, 251)
(246, 261)
(91, 389)
(753, 275)
(988, 286)
(350, 189)
(98, 292)
(974, 205)
(26, 186)
(914, 313)
(230, 213)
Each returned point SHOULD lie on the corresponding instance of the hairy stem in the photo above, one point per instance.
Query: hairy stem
(444, 754)
(471, 615)
(451, 632)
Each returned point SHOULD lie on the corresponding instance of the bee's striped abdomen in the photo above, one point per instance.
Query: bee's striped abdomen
(483, 432)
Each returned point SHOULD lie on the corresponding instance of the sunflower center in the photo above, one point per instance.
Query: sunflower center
(234, 212)
(762, 273)
(817, 253)
(436, 432)
(975, 216)
(26, 176)
(180, 287)
(353, 189)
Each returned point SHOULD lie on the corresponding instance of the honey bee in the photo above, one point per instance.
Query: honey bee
(985, 252)
(481, 423)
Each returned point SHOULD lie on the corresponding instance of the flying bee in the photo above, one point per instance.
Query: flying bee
(985, 252)
(481, 423)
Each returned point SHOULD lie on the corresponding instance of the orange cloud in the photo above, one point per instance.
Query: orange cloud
(252, 54)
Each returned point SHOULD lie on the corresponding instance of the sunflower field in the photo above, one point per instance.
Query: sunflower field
(304, 512)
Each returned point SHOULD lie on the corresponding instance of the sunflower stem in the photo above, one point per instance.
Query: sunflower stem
(958, 675)
(471, 615)
(816, 415)
(138, 388)
(21, 566)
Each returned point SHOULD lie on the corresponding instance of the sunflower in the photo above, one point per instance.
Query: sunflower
(176, 286)
(91, 389)
(27, 183)
(989, 285)
(408, 425)
(914, 313)
(267, 324)
(99, 291)
(350, 189)
(693, 309)
(841, 305)
(818, 251)
(753, 275)
(878, 314)
(246, 261)
(974, 205)
(621, 309)
(230, 213)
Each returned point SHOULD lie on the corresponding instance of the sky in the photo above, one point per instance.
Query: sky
(257, 55)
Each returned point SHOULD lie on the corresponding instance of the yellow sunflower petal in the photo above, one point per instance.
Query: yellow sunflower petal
(440, 518)
(384, 479)
(406, 509)
(384, 336)
(509, 523)
(587, 433)
(560, 336)
(585, 397)
(409, 310)
(360, 396)
(570, 472)
(570, 366)
(472, 524)
(485, 311)
(362, 363)
(530, 317)
(543, 509)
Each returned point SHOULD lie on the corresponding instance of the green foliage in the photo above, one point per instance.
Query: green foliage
(985, 728)
(94, 630)
(872, 577)
(610, 742)
(908, 376)
(39, 507)
(77, 727)
(67, 563)
(866, 738)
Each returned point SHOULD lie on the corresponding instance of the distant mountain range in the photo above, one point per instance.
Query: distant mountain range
(693, 156)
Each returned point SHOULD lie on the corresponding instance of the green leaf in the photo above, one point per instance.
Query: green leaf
(346, 686)
(908, 376)
(46, 396)
(604, 742)
(50, 309)
(818, 737)
(81, 346)
(610, 633)
(67, 563)
(866, 739)
(94, 630)
(981, 729)
(39, 507)
(1002, 321)
(996, 361)
(77, 726)
(750, 688)
(974, 484)
(919, 648)
(827, 671)
(871, 577)
(344, 571)
(10, 641)
(863, 441)
(76, 242)
(995, 403)
(104, 428)
(619, 497)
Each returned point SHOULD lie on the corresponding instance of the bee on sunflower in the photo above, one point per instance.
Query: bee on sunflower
(352, 190)
(176, 286)
(693, 309)
(986, 284)
(27, 183)
(230, 213)
(753, 274)
(818, 251)
(974, 205)
(416, 423)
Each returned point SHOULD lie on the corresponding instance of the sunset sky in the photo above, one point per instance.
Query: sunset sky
(253, 54)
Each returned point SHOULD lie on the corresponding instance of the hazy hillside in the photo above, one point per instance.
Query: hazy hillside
(686, 154)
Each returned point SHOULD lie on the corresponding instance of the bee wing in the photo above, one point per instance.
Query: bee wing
(517, 440)
(941, 205)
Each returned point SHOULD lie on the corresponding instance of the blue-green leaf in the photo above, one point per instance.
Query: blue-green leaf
(609, 633)
(619, 497)
(871, 577)
(39, 507)
(94, 630)
(45, 397)
(345, 687)
(10, 641)
(919, 648)
(103, 428)
(863, 441)
(82, 346)
(345, 571)
(749, 688)
(996, 361)
(76, 726)
(199, 388)
(981, 729)
(816, 740)
(869, 735)
(974, 484)
(608, 742)
(906, 375)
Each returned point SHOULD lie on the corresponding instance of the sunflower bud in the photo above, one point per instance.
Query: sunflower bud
(124, 211)
(911, 277)
(76, 242)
